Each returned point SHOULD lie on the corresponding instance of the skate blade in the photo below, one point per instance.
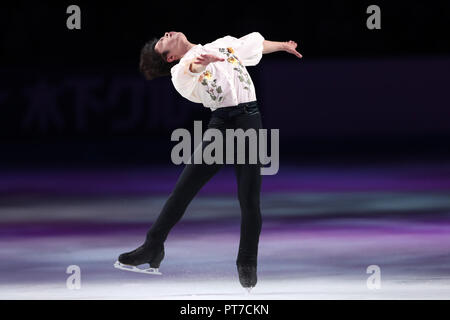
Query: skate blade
(248, 290)
(153, 271)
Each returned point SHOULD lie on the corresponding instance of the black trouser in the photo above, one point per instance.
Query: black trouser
(195, 176)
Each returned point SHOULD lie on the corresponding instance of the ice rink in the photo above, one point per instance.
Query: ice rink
(322, 228)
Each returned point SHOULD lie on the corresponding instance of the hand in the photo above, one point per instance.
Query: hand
(290, 46)
(206, 59)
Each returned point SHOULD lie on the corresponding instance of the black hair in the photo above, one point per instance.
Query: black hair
(154, 64)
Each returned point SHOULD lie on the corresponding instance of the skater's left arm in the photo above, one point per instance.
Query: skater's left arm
(251, 47)
(274, 46)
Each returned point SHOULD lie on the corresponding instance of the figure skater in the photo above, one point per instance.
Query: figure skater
(215, 75)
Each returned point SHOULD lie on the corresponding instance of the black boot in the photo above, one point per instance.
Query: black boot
(247, 275)
(151, 253)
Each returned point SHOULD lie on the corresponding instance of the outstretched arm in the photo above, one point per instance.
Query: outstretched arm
(201, 62)
(273, 46)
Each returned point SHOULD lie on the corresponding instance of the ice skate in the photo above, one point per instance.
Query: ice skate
(126, 267)
(247, 276)
(153, 255)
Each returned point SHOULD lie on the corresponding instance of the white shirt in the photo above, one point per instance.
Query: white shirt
(222, 83)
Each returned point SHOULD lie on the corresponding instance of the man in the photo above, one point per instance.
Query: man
(215, 75)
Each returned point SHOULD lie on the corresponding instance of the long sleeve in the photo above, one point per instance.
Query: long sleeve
(185, 81)
(249, 48)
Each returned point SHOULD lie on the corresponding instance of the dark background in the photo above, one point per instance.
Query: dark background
(75, 97)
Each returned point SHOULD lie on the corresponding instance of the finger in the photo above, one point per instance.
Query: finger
(296, 53)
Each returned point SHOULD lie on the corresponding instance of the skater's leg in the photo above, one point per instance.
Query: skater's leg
(191, 180)
(249, 188)
(193, 177)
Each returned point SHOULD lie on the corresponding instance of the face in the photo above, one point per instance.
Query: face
(173, 43)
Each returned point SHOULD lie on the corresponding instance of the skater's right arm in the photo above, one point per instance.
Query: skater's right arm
(200, 63)
(185, 75)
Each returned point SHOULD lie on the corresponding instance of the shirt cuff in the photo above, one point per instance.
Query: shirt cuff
(193, 73)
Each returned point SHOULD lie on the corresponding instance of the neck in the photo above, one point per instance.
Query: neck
(188, 46)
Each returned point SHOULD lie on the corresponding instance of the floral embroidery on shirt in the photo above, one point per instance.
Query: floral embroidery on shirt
(208, 75)
(239, 67)
(211, 86)
(232, 60)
